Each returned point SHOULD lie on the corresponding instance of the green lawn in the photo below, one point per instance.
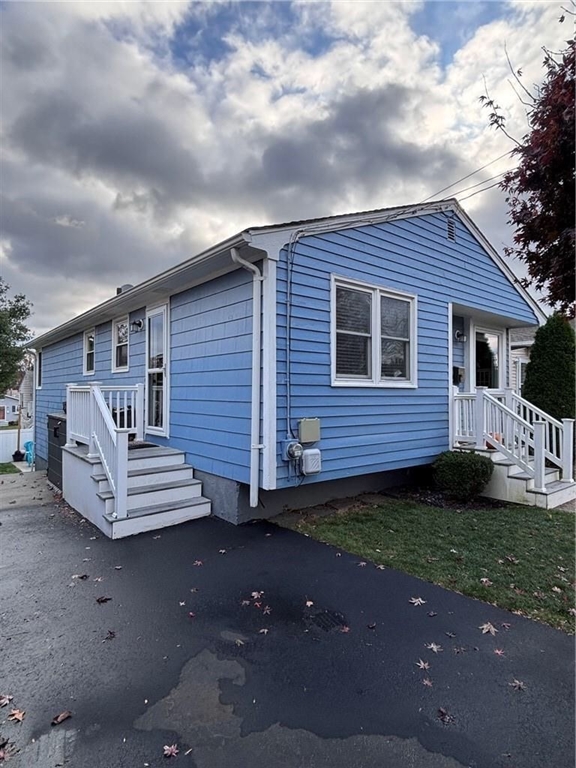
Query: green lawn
(8, 469)
(526, 553)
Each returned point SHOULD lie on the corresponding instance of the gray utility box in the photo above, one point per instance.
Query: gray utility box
(309, 430)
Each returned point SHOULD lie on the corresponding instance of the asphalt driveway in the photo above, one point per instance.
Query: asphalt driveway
(319, 671)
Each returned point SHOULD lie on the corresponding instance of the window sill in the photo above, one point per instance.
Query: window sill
(120, 370)
(374, 385)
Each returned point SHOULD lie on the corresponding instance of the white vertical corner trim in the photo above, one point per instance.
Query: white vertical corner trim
(450, 385)
(269, 366)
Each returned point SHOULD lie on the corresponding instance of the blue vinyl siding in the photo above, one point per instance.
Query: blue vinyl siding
(62, 364)
(210, 375)
(367, 430)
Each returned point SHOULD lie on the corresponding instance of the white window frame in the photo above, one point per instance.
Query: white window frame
(115, 323)
(38, 369)
(85, 351)
(375, 381)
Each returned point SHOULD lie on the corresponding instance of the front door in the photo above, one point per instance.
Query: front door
(157, 385)
(489, 358)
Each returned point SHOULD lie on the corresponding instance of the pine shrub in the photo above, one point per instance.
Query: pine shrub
(551, 373)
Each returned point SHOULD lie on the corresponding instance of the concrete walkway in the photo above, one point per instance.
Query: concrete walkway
(25, 490)
(258, 647)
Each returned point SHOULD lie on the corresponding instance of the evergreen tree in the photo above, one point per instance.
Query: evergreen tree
(551, 372)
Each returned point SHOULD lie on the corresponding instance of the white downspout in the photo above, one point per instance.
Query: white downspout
(255, 445)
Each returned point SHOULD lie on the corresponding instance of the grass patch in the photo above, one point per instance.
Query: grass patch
(8, 469)
(527, 553)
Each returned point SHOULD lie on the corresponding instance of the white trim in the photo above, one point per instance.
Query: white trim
(450, 384)
(269, 368)
(85, 352)
(374, 381)
(117, 321)
(163, 309)
(38, 368)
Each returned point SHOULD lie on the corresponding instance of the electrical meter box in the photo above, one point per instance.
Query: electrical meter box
(309, 430)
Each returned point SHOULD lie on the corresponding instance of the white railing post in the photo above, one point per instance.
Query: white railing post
(509, 398)
(479, 417)
(69, 417)
(139, 412)
(567, 450)
(539, 455)
(92, 449)
(121, 470)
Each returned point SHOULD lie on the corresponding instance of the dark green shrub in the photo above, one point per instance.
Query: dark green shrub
(462, 474)
(550, 374)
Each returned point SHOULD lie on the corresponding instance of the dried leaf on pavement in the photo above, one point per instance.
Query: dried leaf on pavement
(434, 647)
(103, 599)
(16, 715)
(61, 717)
(5, 699)
(444, 716)
(421, 664)
(427, 682)
(488, 628)
(417, 601)
(171, 750)
(518, 685)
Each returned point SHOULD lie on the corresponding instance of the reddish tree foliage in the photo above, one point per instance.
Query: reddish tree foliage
(540, 192)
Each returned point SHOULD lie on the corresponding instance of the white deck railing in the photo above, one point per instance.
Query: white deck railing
(523, 433)
(103, 418)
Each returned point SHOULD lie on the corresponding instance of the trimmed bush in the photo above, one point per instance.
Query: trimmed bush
(462, 474)
(550, 374)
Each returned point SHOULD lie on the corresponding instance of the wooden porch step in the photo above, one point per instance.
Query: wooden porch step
(191, 488)
(159, 516)
(165, 468)
(556, 493)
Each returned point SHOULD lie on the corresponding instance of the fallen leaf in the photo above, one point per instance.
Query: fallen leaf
(309, 603)
(16, 715)
(194, 589)
(512, 559)
(197, 563)
(434, 647)
(5, 699)
(81, 576)
(117, 567)
(372, 625)
(267, 610)
(444, 716)
(257, 604)
(486, 582)
(99, 578)
(245, 602)
(381, 567)
(417, 601)
(110, 636)
(488, 628)
(181, 603)
(556, 589)
(171, 751)
(450, 634)
(427, 682)
(345, 629)
(362, 564)
(338, 554)
(191, 615)
(239, 642)
(518, 685)
(263, 631)
(61, 717)
(157, 537)
(103, 599)
(93, 538)
(432, 614)
(422, 664)
(499, 651)
(257, 595)
(505, 625)
(221, 551)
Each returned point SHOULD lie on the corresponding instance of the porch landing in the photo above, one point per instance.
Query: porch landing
(162, 490)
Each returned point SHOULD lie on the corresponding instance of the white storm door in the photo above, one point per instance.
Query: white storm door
(157, 383)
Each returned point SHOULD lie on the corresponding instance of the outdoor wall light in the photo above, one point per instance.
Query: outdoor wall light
(459, 336)
(136, 325)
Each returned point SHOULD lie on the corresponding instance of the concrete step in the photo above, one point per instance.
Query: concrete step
(152, 518)
(149, 476)
(556, 493)
(159, 493)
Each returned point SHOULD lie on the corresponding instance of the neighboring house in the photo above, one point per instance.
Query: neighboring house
(521, 340)
(8, 409)
(284, 366)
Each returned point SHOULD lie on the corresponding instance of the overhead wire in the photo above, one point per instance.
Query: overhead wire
(473, 173)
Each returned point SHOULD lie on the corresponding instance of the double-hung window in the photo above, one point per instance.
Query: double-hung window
(120, 345)
(373, 336)
(89, 351)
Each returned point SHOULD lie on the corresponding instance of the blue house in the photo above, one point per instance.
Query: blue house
(288, 365)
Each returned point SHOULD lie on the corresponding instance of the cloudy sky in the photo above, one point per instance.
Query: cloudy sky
(135, 135)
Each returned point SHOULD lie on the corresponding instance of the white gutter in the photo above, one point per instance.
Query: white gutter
(255, 445)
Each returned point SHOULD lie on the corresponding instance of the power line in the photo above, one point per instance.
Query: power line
(479, 184)
(480, 190)
(468, 176)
